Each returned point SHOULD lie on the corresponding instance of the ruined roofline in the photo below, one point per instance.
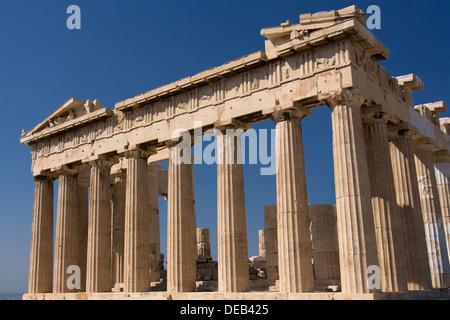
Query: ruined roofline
(250, 61)
(319, 28)
(323, 26)
(314, 21)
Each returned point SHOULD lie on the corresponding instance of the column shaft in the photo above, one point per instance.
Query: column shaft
(99, 264)
(431, 214)
(408, 202)
(153, 198)
(388, 230)
(67, 236)
(233, 273)
(41, 256)
(83, 225)
(294, 241)
(118, 229)
(137, 225)
(181, 229)
(442, 171)
(357, 244)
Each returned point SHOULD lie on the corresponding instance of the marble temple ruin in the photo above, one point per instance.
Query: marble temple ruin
(391, 218)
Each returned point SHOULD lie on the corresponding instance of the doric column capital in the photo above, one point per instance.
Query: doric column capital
(138, 152)
(66, 170)
(105, 162)
(349, 97)
(119, 172)
(232, 124)
(374, 114)
(401, 131)
(442, 156)
(45, 176)
(423, 144)
(291, 114)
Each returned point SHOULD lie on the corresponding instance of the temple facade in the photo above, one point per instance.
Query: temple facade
(391, 219)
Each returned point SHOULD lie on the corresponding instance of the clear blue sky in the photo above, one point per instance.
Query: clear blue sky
(128, 47)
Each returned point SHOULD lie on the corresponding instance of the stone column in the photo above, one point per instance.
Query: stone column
(325, 245)
(41, 256)
(388, 230)
(357, 244)
(442, 172)
(294, 242)
(153, 198)
(67, 236)
(99, 264)
(118, 225)
(137, 224)
(83, 222)
(181, 229)
(408, 202)
(431, 213)
(232, 244)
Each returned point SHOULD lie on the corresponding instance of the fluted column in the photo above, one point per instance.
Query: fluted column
(357, 244)
(408, 202)
(67, 235)
(442, 171)
(233, 275)
(431, 214)
(137, 224)
(99, 263)
(181, 229)
(83, 223)
(388, 229)
(41, 256)
(153, 198)
(118, 225)
(294, 241)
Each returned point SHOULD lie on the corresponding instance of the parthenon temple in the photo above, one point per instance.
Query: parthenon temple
(386, 237)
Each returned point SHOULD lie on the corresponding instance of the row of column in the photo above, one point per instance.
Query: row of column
(387, 188)
(388, 207)
(83, 230)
